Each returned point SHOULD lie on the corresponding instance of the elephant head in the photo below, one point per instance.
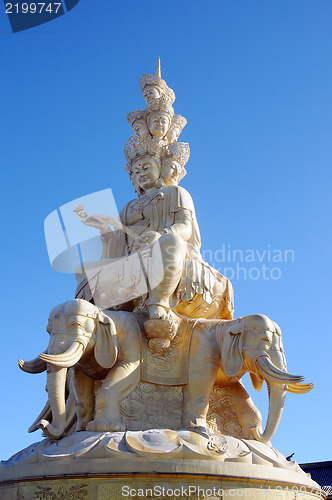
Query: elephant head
(253, 344)
(78, 331)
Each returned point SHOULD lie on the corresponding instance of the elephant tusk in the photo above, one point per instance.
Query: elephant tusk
(67, 359)
(34, 366)
(269, 371)
(299, 388)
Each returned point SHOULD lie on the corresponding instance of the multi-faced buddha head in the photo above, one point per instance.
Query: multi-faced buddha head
(137, 121)
(145, 172)
(143, 156)
(152, 92)
(170, 171)
(178, 123)
(174, 158)
(159, 114)
(153, 87)
(159, 124)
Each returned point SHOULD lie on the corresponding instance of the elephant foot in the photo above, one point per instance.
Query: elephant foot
(104, 425)
(81, 426)
(198, 425)
(199, 429)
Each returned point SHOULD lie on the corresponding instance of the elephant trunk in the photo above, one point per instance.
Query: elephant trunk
(56, 383)
(278, 382)
(277, 393)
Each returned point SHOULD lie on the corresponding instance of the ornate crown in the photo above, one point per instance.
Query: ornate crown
(179, 121)
(133, 116)
(137, 147)
(179, 151)
(156, 81)
(160, 105)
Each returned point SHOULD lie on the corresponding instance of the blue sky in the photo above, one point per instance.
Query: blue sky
(254, 79)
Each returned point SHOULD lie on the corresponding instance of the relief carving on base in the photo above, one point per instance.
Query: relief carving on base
(156, 406)
(60, 493)
(152, 406)
(222, 415)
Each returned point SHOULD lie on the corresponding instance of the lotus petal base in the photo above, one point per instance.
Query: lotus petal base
(87, 465)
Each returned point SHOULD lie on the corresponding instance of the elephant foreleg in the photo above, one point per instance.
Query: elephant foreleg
(247, 413)
(202, 371)
(84, 391)
(119, 383)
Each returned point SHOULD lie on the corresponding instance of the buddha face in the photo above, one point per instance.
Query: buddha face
(170, 172)
(159, 124)
(173, 134)
(146, 172)
(150, 93)
(140, 129)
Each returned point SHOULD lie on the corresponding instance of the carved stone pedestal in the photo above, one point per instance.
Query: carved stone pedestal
(155, 487)
(153, 464)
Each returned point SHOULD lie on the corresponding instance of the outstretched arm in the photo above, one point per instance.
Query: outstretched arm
(106, 234)
(99, 222)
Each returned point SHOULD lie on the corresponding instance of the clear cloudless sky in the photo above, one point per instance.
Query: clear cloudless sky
(254, 80)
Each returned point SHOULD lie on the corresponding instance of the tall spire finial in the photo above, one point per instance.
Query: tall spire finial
(158, 71)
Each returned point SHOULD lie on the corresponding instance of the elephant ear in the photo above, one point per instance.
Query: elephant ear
(230, 344)
(277, 329)
(106, 348)
(257, 382)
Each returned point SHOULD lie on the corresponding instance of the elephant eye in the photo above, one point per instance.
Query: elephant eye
(76, 323)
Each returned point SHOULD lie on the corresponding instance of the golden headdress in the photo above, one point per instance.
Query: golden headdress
(136, 147)
(157, 81)
(133, 116)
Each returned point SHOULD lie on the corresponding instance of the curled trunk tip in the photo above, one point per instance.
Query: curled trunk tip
(50, 430)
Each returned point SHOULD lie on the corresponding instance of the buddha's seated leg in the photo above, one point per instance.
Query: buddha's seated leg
(165, 273)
